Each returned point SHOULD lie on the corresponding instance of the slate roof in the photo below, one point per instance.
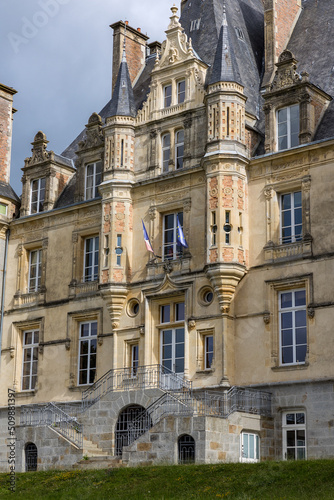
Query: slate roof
(122, 102)
(8, 192)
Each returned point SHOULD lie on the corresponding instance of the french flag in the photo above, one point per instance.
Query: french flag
(147, 239)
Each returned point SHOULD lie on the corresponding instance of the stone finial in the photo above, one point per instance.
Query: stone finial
(174, 19)
(39, 153)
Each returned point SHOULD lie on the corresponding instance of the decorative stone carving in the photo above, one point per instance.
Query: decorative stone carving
(191, 324)
(39, 153)
(152, 213)
(310, 311)
(286, 74)
(94, 135)
(67, 344)
(266, 317)
(168, 267)
(115, 298)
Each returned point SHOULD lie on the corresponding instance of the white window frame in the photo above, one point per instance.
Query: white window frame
(90, 339)
(32, 349)
(97, 171)
(207, 351)
(181, 95)
(294, 427)
(244, 445)
(294, 237)
(89, 273)
(179, 146)
(40, 195)
(177, 248)
(35, 287)
(293, 309)
(288, 134)
(166, 97)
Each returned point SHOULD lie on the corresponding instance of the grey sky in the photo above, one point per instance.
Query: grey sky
(57, 55)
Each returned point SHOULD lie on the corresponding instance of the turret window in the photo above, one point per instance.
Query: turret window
(37, 195)
(288, 127)
(93, 180)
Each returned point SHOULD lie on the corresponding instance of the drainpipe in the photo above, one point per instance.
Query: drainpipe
(3, 288)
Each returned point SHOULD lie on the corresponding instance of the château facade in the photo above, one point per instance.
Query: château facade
(211, 340)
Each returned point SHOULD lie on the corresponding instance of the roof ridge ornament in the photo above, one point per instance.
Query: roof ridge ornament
(124, 45)
(224, 23)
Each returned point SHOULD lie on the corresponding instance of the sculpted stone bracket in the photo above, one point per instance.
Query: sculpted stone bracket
(115, 298)
(224, 279)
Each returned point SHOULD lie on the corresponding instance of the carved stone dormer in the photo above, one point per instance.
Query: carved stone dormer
(290, 88)
(90, 152)
(45, 175)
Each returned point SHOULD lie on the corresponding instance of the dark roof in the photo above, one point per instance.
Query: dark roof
(312, 44)
(122, 102)
(8, 192)
(245, 19)
(66, 197)
(225, 67)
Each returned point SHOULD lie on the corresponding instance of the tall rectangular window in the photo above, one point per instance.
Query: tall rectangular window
(179, 149)
(87, 352)
(30, 359)
(165, 152)
(35, 270)
(181, 91)
(134, 359)
(250, 447)
(294, 435)
(91, 259)
(171, 247)
(37, 195)
(288, 127)
(291, 217)
(167, 96)
(208, 351)
(292, 324)
(93, 179)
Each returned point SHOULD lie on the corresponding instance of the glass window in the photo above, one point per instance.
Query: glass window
(171, 246)
(35, 270)
(37, 195)
(179, 149)
(134, 359)
(294, 435)
(181, 91)
(293, 329)
(87, 352)
(250, 447)
(208, 354)
(165, 152)
(93, 180)
(91, 259)
(291, 217)
(167, 96)
(288, 127)
(30, 359)
(3, 209)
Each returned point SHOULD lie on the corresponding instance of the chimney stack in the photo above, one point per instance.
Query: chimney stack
(6, 126)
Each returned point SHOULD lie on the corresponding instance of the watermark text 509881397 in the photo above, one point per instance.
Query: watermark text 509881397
(32, 24)
(11, 442)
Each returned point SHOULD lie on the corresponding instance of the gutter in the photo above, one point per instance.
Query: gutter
(3, 288)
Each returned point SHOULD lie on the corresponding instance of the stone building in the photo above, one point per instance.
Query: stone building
(211, 340)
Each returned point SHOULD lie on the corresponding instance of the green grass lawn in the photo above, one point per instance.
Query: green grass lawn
(268, 480)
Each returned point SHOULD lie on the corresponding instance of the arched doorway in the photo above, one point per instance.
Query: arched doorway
(186, 445)
(132, 422)
(31, 457)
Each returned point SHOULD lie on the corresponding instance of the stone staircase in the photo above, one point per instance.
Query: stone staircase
(100, 462)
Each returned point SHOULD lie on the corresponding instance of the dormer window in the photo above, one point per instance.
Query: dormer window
(181, 91)
(167, 96)
(93, 180)
(288, 127)
(37, 195)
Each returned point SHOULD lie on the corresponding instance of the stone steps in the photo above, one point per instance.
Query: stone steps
(106, 462)
(91, 449)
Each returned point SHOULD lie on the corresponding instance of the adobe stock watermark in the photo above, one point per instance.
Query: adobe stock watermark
(11, 445)
(31, 27)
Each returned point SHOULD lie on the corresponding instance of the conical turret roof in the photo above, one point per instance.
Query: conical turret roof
(122, 101)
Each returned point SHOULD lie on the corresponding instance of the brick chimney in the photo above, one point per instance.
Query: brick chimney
(280, 17)
(135, 47)
(6, 125)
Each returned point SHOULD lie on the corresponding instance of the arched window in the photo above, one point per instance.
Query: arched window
(186, 445)
(165, 152)
(179, 149)
(132, 422)
(31, 457)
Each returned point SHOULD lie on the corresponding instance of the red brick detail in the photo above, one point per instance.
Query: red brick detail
(5, 138)
(130, 218)
(213, 193)
(228, 254)
(105, 276)
(227, 191)
(118, 275)
(213, 255)
(107, 223)
(247, 258)
(241, 194)
(286, 11)
(120, 217)
(241, 258)
(62, 181)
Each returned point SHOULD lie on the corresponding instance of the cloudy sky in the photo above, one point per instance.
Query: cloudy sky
(57, 55)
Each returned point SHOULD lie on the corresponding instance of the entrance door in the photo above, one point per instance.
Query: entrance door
(172, 356)
(31, 457)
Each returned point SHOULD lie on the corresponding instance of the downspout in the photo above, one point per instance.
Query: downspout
(3, 288)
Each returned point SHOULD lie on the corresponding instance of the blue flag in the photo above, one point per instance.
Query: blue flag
(180, 236)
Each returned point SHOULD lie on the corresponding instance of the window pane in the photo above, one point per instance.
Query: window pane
(300, 318)
(286, 299)
(251, 446)
(301, 336)
(245, 446)
(167, 351)
(287, 355)
(165, 314)
(286, 338)
(300, 354)
(179, 350)
(300, 418)
(167, 337)
(300, 298)
(290, 438)
(179, 365)
(169, 221)
(179, 335)
(282, 115)
(290, 418)
(286, 320)
(179, 311)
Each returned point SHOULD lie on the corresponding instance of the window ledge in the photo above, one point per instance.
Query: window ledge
(207, 371)
(83, 288)
(30, 298)
(24, 394)
(287, 251)
(300, 366)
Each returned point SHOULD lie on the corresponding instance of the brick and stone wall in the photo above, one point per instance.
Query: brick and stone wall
(6, 112)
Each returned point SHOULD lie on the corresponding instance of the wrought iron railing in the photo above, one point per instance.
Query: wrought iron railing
(124, 379)
(54, 417)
